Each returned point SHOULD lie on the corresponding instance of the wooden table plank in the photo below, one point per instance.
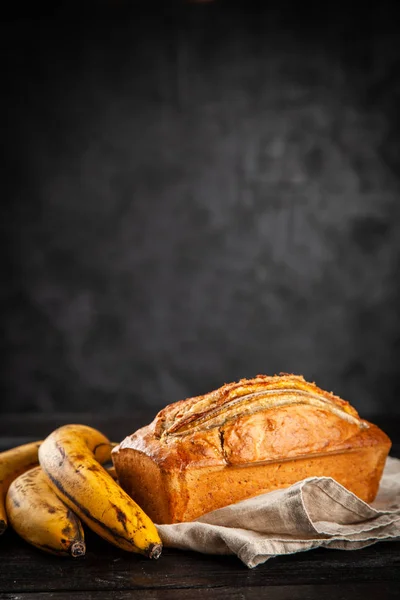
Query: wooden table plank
(19, 429)
(338, 591)
(25, 569)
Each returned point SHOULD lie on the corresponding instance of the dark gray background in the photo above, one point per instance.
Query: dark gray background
(198, 195)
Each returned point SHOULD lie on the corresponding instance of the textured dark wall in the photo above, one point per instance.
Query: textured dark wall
(197, 196)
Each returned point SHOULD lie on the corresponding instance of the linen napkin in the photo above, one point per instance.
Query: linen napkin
(315, 512)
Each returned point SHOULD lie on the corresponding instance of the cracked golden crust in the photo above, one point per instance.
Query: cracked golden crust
(251, 421)
(185, 415)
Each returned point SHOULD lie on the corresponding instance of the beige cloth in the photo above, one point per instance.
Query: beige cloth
(315, 512)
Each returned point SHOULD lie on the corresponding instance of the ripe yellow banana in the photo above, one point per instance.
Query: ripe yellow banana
(12, 463)
(41, 518)
(70, 458)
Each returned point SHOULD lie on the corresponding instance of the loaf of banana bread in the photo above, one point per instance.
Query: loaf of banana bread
(244, 439)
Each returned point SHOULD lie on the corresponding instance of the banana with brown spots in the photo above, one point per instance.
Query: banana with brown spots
(12, 463)
(70, 457)
(41, 518)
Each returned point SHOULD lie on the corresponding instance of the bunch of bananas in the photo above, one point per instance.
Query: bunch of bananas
(48, 487)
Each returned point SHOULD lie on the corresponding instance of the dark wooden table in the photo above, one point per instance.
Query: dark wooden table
(107, 572)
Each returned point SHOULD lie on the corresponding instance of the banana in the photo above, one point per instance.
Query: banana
(41, 518)
(12, 463)
(70, 458)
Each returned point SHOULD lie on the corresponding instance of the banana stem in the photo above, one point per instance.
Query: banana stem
(77, 549)
(154, 551)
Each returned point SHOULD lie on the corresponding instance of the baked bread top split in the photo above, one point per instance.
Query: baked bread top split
(268, 418)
